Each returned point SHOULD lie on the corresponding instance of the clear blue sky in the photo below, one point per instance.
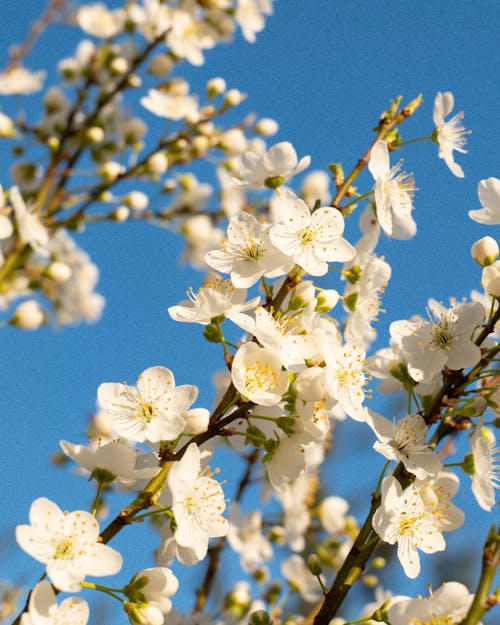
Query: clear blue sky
(324, 69)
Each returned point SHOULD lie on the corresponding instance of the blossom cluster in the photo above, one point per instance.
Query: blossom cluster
(302, 358)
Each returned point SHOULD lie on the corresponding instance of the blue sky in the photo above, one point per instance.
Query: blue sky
(325, 70)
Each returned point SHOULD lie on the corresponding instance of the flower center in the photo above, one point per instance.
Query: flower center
(64, 550)
(261, 377)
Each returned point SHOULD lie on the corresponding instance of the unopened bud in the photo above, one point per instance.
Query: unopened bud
(95, 134)
(370, 581)
(120, 214)
(491, 279)
(260, 617)
(485, 251)
(111, 170)
(234, 97)
(7, 128)
(196, 421)
(302, 294)
(157, 163)
(161, 65)
(58, 271)
(137, 200)
(266, 127)
(314, 564)
(119, 65)
(215, 87)
(28, 316)
(379, 563)
(326, 300)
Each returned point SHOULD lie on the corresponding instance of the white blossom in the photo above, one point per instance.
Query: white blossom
(450, 135)
(43, 608)
(312, 240)
(489, 196)
(393, 194)
(271, 168)
(198, 503)
(67, 543)
(486, 476)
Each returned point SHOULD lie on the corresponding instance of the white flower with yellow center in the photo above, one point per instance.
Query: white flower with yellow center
(447, 606)
(197, 503)
(404, 442)
(247, 254)
(152, 411)
(43, 608)
(257, 374)
(416, 517)
(68, 543)
(215, 297)
(312, 240)
(393, 194)
(272, 168)
(444, 340)
(345, 376)
(449, 135)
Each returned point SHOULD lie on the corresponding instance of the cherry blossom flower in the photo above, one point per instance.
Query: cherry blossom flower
(284, 335)
(448, 605)
(149, 592)
(257, 374)
(416, 517)
(272, 168)
(198, 503)
(68, 543)
(249, 15)
(489, 196)
(116, 458)
(445, 340)
(30, 228)
(393, 194)
(345, 377)
(312, 240)
(43, 608)
(188, 36)
(19, 80)
(450, 135)
(151, 412)
(486, 476)
(245, 537)
(248, 254)
(170, 106)
(96, 19)
(404, 442)
(215, 297)
(332, 513)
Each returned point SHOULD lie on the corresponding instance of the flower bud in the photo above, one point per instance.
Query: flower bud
(260, 617)
(161, 65)
(59, 272)
(266, 127)
(379, 563)
(326, 300)
(234, 97)
(95, 134)
(7, 128)
(157, 163)
(314, 564)
(28, 316)
(119, 65)
(111, 170)
(310, 384)
(491, 279)
(120, 214)
(485, 251)
(233, 141)
(215, 87)
(302, 294)
(143, 614)
(196, 421)
(137, 200)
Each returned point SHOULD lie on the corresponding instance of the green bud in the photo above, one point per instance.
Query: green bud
(314, 564)
(379, 563)
(338, 173)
